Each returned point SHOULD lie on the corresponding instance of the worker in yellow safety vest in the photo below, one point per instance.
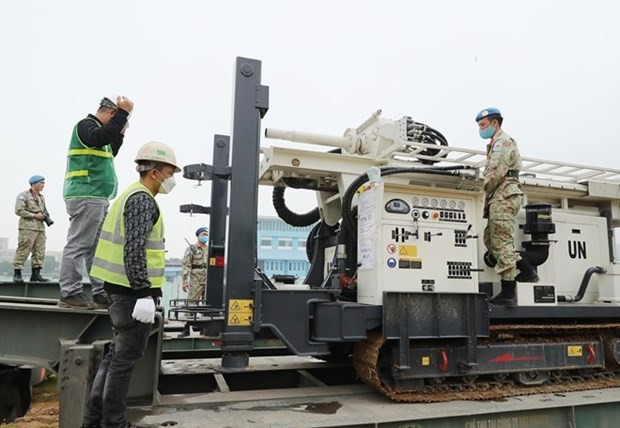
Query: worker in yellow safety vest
(130, 261)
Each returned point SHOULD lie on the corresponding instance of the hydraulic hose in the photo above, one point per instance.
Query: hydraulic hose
(430, 136)
(347, 199)
(584, 284)
(290, 217)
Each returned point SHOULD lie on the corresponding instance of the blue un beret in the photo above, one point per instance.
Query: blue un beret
(201, 229)
(488, 112)
(36, 179)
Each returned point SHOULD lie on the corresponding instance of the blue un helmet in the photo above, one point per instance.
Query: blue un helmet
(35, 179)
(202, 229)
(489, 111)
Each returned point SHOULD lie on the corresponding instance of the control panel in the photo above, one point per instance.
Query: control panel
(410, 239)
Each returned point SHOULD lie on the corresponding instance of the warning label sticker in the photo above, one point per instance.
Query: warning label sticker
(240, 305)
(408, 250)
(240, 312)
(239, 319)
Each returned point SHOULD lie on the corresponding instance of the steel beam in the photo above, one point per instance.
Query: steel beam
(70, 342)
(217, 223)
(38, 290)
(251, 101)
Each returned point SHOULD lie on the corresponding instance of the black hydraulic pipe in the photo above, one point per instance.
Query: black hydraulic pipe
(584, 284)
(347, 199)
(290, 217)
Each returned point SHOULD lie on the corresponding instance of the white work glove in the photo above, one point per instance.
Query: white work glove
(144, 310)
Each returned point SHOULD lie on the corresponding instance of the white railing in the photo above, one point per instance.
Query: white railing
(538, 168)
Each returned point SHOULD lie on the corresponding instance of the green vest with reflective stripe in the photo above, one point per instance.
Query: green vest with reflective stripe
(109, 263)
(90, 170)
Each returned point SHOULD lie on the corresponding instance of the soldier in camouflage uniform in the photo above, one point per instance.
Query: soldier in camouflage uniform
(30, 207)
(502, 201)
(195, 269)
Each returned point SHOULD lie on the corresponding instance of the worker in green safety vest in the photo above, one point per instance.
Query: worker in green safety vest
(90, 182)
(130, 260)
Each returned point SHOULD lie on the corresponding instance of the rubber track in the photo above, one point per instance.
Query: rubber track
(366, 356)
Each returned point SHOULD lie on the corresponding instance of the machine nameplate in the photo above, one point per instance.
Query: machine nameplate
(544, 294)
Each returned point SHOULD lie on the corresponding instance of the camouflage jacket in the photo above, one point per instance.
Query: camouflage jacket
(26, 206)
(195, 265)
(502, 157)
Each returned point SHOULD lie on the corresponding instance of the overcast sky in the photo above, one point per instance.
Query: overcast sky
(553, 67)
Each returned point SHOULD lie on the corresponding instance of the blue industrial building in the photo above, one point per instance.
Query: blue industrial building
(281, 248)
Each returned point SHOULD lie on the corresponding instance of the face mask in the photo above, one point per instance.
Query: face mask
(204, 239)
(167, 185)
(487, 133)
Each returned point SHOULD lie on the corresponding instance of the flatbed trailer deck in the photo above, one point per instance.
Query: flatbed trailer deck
(360, 406)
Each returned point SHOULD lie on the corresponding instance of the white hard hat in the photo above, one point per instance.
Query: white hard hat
(157, 152)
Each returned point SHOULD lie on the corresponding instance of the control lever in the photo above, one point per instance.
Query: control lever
(428, 235)
(467, 235)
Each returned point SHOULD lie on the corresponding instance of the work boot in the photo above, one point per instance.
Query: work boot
(77, 301)
(185, 331)
(101, 301)
(507, 296)
(527, 272)
(36, 275)
(17, 275)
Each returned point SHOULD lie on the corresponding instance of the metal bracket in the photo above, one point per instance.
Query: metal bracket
(262, 99)
(203, 172)
(78, 367)
(194, 209)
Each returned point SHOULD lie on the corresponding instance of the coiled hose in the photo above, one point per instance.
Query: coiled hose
(290, 217)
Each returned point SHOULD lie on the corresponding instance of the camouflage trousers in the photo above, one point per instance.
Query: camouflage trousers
(30, 242)
(196, 291)
(196, 281)
(499, 235)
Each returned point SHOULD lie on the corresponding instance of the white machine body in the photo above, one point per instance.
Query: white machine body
(424, 232)
(412, 238)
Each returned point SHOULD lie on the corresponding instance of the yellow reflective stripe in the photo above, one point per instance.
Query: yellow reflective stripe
(80, 173)
(120, 269)
(119, 240)
(115, 273)
(92, 152)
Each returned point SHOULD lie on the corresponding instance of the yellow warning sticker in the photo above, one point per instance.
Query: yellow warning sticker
(408, 250)
(240, 312)
(575, 351)
(241, 305)
(426, 361)
(239, 319)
